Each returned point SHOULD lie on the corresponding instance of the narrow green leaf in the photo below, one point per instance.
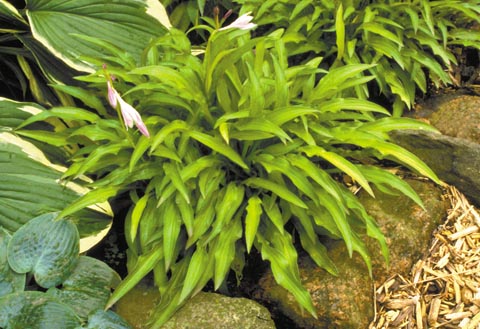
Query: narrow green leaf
(195, 271)
(340, 32)
(144, 265)
(168, 129)
(317, 251)
(93, 197)
(137, 216)
(172, 171)
(339, 162)
(280, 190)
(171, 231)
(85, 96)
(252, 220)
(263, 125)
(225, 248)
(219, 146)
(380, 30)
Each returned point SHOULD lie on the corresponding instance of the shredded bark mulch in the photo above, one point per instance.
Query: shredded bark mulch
(443, 290)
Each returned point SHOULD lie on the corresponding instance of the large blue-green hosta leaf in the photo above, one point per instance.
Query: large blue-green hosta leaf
(88, 287)
(47, 247)
(106, 319)
(35, 310)
(129, 24)
(10, 281)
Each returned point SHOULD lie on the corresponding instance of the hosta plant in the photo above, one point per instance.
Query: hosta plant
(76, 287)
(410, 42)
(237, 150)
(38, 44)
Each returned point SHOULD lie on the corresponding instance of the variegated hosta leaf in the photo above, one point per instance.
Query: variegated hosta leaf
(34, 309)
(47, 247)
(10, 281)
(31, 183)
(88, 287)
(129, 24)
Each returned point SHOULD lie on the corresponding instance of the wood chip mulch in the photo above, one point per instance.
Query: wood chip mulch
(443, 290)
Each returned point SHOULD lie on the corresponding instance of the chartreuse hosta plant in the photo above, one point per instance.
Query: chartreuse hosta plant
(410, 42)
(76, 288)
(243, 152)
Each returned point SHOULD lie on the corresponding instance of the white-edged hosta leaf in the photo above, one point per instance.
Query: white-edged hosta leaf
(88, 287)
(47, 247)
(13, 113)
(31, 184)
(126, 24)
(10, 281)
(34, 309)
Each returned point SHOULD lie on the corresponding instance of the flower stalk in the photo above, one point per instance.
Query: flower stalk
(126, 111)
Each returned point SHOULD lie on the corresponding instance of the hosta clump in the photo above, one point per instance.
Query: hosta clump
(244, 152)
(77, 287)
(409, 41)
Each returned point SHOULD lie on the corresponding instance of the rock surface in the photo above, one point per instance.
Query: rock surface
(205, 311)
(455, 154)
(346, 301)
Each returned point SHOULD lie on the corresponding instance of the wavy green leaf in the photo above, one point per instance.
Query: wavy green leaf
(47, 247)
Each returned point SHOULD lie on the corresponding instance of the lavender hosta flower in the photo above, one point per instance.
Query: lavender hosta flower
(243, 22)
(129, 114)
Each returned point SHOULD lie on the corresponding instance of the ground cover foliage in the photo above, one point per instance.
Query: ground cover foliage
(245, 135)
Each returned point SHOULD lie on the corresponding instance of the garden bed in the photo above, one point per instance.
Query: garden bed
(443, 290)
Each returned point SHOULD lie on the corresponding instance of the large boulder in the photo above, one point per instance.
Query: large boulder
(346, 301)
(205, 310)
(454, 154)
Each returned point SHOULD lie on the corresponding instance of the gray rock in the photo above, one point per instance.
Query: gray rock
(214, 311)
(455, 160)
(346, 301)
(455, 153)
(204, 311)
